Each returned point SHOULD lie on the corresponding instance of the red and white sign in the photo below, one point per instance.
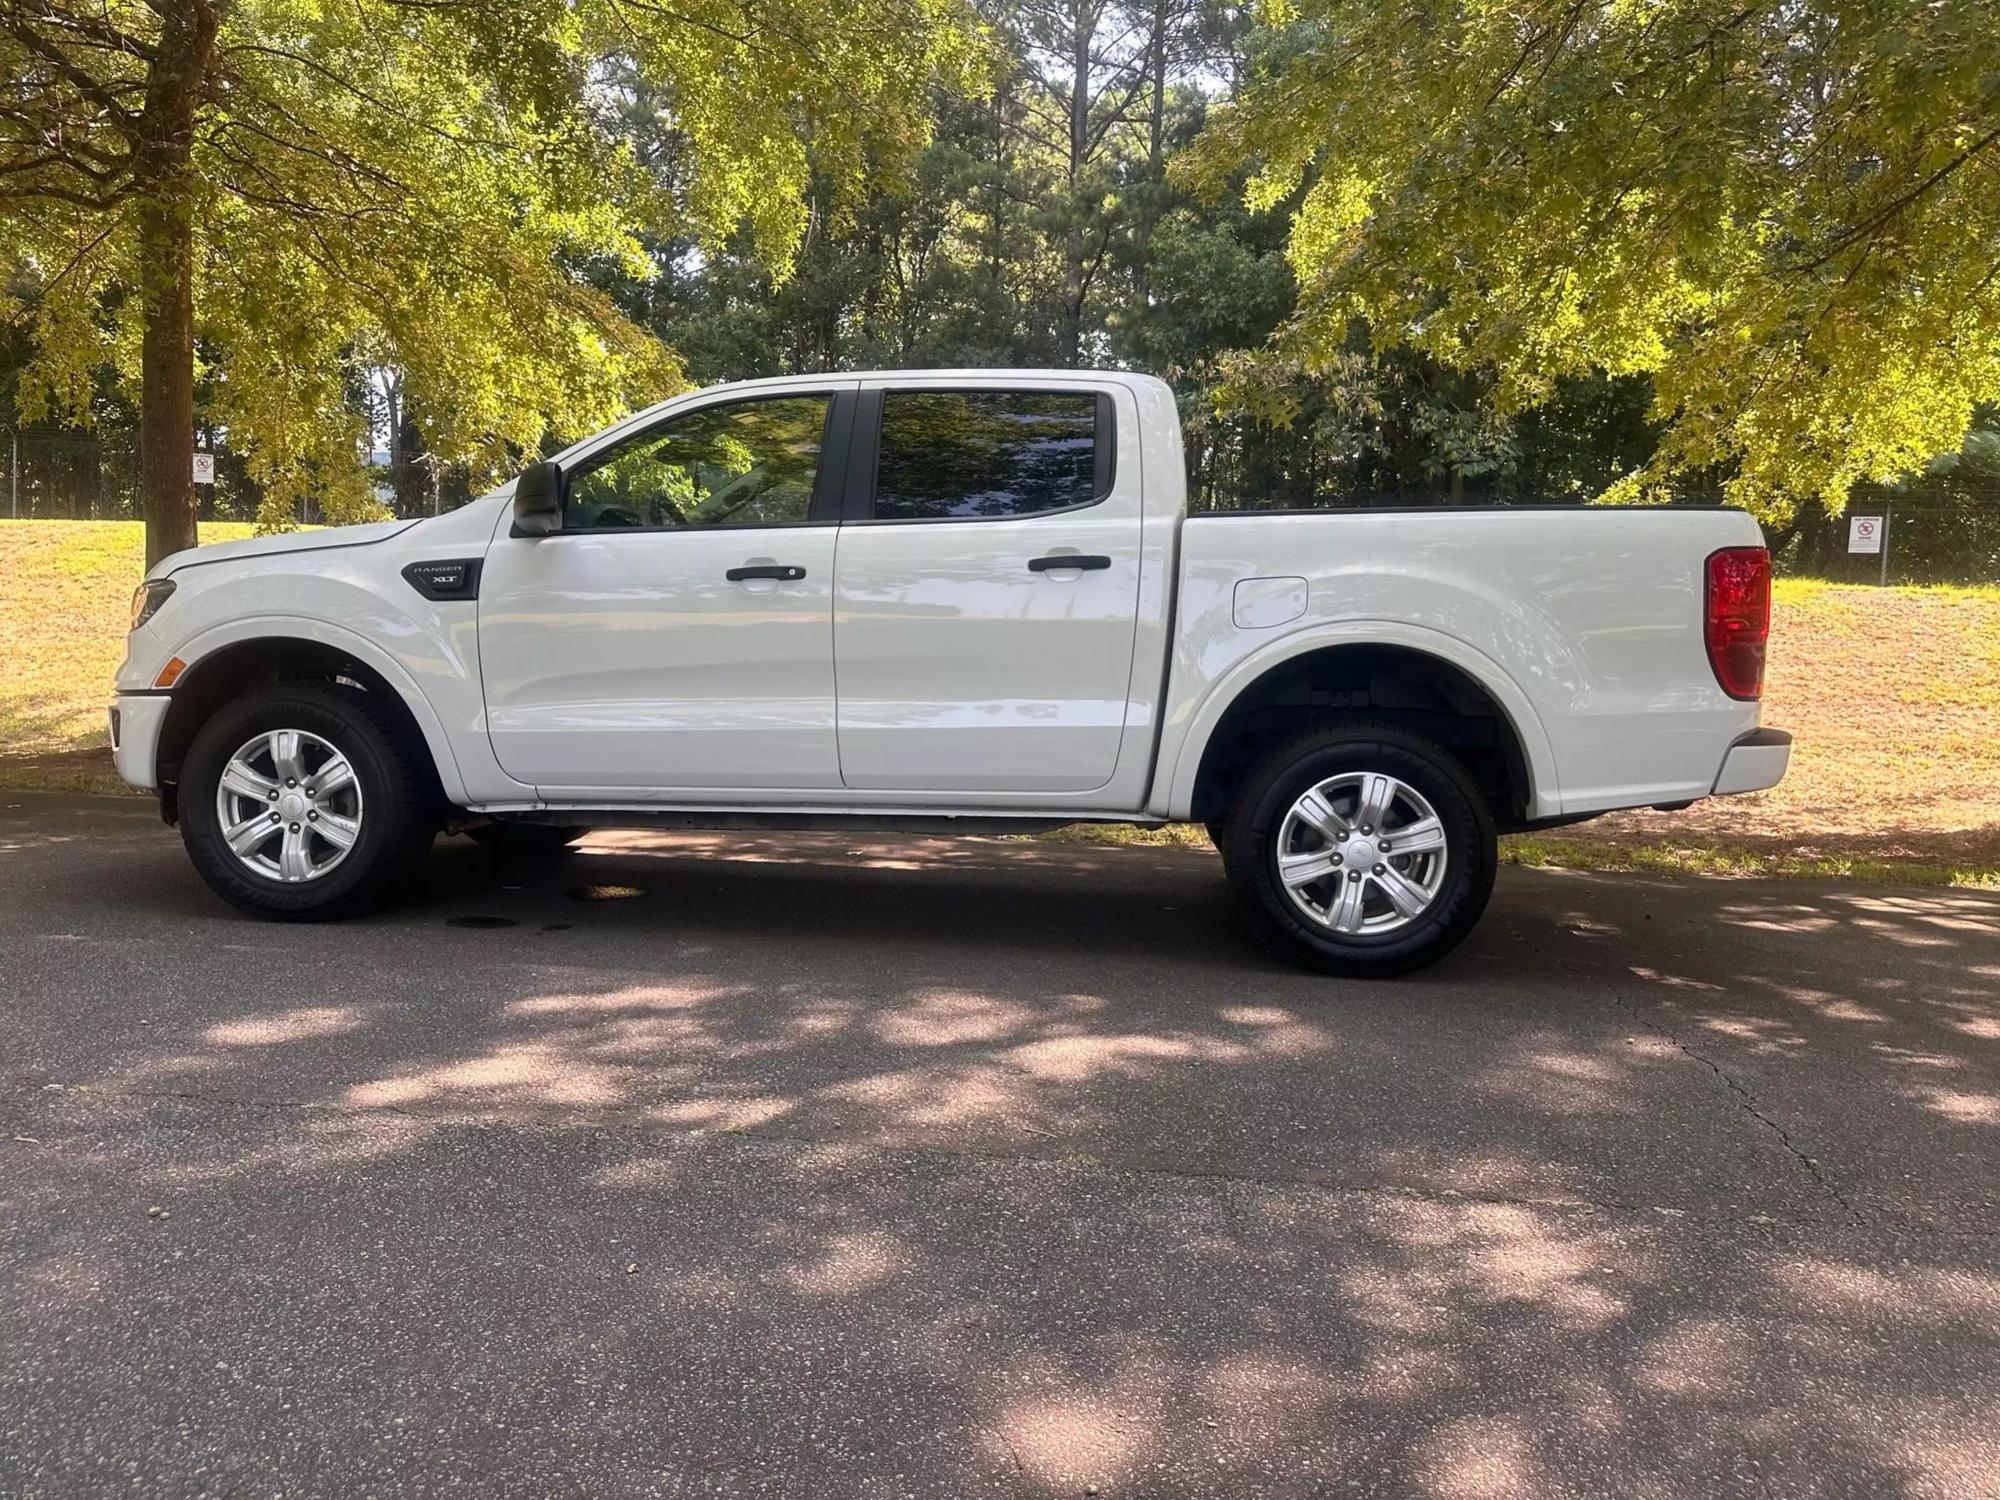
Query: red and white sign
(1864, 533)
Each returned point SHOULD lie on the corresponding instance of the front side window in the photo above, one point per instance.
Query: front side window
(976, 454)
(748, 463)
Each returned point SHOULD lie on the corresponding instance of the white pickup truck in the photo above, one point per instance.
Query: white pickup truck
(946, 601)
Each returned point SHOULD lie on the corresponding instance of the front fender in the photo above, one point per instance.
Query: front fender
(392, 671)
(355, 599)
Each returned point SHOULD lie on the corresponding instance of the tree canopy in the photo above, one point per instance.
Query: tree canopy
(1396, 251)
(1787, 215)
(294, 191)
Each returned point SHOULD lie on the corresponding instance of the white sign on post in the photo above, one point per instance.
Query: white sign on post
(204, 468)
(1864, 533)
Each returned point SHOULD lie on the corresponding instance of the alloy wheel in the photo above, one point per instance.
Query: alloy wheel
(1362, 854)
(289, 805)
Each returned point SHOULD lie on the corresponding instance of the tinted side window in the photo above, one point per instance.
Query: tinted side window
(987, 453)
(751, 463)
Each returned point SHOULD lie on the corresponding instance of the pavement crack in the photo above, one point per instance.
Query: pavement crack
(1745, 1100)
(1812, 1164)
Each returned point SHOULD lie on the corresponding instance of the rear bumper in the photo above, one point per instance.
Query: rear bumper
(1754, 762)
(136, 720)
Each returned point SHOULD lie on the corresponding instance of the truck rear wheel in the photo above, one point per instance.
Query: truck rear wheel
(1360, 849)
(299, 802)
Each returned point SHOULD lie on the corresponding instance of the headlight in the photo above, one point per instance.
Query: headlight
(148, 598)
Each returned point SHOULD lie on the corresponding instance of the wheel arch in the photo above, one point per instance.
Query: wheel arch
(1427, 681)
(223, 665)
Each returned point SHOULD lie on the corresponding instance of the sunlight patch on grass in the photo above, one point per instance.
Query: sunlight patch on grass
(1808, 590)
(1534, 851)
(66, 597)
(1172, 836)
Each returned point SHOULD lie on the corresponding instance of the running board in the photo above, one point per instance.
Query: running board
(806, 821)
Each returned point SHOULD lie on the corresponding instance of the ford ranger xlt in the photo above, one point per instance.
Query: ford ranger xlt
(948, 601)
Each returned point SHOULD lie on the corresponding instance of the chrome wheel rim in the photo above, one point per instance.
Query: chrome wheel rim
(1362, 854)
(289, 806)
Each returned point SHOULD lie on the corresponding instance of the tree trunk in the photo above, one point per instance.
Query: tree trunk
(1071, 332)
(163, 168)
(1001, 165)
(392, 416)
(1156, 152)
(166, 394)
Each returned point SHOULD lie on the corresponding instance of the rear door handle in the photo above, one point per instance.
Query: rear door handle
(783, 571)
(1081, 561)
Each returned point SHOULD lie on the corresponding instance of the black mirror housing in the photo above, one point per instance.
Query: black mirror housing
(538, 500)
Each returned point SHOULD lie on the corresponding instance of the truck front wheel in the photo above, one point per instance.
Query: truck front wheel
(1360, 849)
(300, 802)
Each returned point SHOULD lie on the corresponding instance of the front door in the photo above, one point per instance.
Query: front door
(987, 591)
(676, 633)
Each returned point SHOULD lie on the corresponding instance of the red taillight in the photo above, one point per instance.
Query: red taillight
(1738, 618)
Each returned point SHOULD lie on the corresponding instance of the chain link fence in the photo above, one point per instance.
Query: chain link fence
(83, 476)
(1938, 529)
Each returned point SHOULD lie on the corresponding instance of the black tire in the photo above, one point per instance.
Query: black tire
(1255, 823)
(527, 839)
(399, 817)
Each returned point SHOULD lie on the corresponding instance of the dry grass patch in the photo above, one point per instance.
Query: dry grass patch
(65, 600)
(1893, 699)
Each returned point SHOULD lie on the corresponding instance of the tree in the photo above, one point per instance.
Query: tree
(284, 189)
(1787, 215)
(1084, 63)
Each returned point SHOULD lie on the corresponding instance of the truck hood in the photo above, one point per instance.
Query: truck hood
(284, 541)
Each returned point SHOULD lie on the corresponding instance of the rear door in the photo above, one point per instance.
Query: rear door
(986, 591)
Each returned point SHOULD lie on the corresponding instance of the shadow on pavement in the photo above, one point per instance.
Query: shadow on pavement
(814, 1165)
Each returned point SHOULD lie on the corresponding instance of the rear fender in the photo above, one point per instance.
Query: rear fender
(1173, 796)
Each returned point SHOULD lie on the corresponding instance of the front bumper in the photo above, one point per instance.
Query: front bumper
(136, 721)
(1754, 762)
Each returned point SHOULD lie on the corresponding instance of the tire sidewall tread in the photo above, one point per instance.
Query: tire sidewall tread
(397, 823)
(1277, 780)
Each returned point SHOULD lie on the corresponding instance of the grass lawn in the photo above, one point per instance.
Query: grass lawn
(65, 600)
(1893, 694)
(1893, 699)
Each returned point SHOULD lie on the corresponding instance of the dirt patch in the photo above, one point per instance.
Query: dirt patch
(1893, 700)
(84, 769)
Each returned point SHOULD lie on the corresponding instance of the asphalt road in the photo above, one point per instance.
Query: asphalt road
(823, 1167)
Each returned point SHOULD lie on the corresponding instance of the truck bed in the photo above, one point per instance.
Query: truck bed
(1585, 624)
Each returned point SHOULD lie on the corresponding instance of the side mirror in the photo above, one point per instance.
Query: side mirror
(538, 500)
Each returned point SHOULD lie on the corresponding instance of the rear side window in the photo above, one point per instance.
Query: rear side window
(984, 454)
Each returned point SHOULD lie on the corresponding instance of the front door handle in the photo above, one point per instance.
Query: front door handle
(1081, 561)
(784, 572)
